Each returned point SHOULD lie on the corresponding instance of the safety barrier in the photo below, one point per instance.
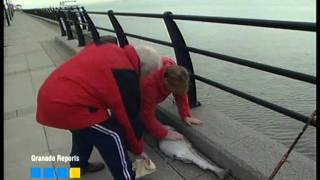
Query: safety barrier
(80, 19)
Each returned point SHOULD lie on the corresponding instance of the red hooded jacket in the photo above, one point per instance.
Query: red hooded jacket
(79, 93)
(153, 92)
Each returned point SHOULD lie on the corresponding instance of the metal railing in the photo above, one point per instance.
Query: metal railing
(77, 17)
(8, 11)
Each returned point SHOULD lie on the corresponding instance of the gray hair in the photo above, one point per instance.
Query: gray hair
(149, 59)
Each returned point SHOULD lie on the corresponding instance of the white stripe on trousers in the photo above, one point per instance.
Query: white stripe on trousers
(119, 145)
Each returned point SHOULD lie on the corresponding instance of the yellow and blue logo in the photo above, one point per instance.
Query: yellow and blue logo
(62, 173)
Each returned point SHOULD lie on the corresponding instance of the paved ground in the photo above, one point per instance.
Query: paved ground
(30, 54)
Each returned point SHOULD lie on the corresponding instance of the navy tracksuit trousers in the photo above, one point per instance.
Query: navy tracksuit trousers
(109, 140)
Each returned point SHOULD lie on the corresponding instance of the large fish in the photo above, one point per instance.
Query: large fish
(183, 150)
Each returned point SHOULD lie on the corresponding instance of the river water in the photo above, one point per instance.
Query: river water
(293, 50)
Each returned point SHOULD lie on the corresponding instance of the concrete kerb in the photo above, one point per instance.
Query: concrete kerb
(249, 154)
(45, 19)
(86, 34)
(213, 151)
(70, 45)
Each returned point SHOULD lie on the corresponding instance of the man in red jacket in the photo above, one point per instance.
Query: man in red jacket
(81, 94)
(156, 87)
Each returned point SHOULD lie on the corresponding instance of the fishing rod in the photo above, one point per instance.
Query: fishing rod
(311, 120)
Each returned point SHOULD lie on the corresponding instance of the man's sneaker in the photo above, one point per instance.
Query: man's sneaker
(92, 167)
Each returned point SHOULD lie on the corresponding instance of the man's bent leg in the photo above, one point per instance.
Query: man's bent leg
(80, 147)
(110, 145)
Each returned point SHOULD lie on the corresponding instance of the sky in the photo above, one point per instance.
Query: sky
(27, 4)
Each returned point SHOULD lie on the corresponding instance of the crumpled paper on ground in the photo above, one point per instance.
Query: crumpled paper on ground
(143, 167)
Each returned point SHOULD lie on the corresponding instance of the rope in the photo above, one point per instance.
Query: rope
(311, 120)
(50, 151)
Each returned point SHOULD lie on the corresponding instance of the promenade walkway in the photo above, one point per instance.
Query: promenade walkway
(30, 55)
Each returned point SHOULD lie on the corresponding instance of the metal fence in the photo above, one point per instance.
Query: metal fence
(8, 12)
(80, 19)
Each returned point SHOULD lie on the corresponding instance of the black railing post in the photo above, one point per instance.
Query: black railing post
(80, 36)
(182, 55)
(122, 39)
(53, 15)
(46, 13)
(91, 27)
(50, 14)
(7, 16)
(9, 13)
(59, 18)
(82, 19)
(67, 24)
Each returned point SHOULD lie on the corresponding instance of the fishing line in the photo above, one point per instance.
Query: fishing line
(50, 152)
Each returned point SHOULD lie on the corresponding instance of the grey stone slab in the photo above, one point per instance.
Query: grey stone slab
(49, 47)
(164, 172)
(26, 111)
(58, 138)
(18, 92)
(25, 41)
(19, 112)
(38, 59)
(210, 176)
(23, 137)
(39, 76)
(13, 66)
(17, 37)
(71, 45)
(257, 151)
(18, 57)
(20, 49)
(187, 171)
(10, 115)
(21, 169)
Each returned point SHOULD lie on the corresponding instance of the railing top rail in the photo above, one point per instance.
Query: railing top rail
(293, 25)
(68, 10)
(256, 100)
(263, 67)
(97, 12)
(165, 43)
(105, 29)
(146, 15)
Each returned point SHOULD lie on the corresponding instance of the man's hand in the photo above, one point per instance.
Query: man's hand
(192, 120)
(144, 156)
(173, 135)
